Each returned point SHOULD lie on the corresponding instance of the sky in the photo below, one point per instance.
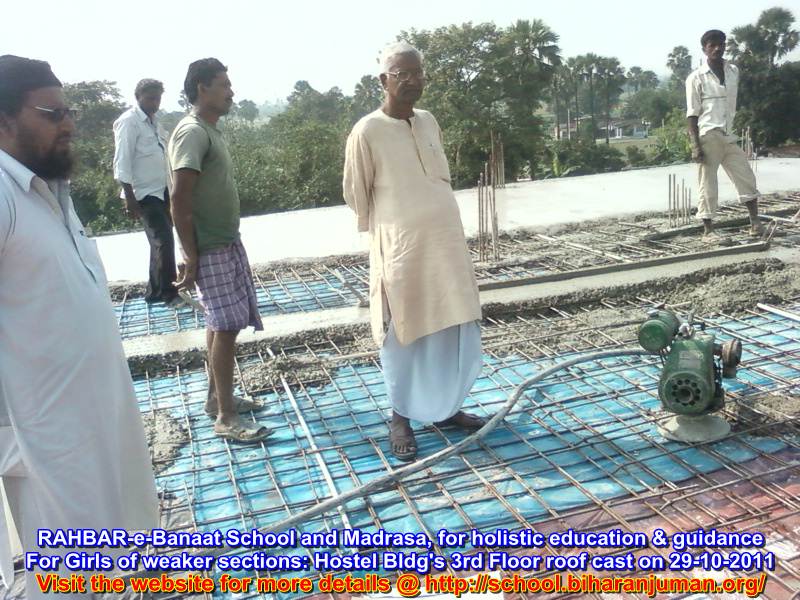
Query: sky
(268, 45)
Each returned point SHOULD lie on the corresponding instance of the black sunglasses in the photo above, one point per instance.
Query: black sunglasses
(56, 115)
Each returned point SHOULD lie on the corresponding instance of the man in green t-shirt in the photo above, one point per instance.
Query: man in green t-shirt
(205, 208)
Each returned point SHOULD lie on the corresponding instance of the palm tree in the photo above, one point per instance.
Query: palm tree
(679, 61)
(769, 40)
(588, 64)
(561, 90)
(573, 74)
(648, 80)
(611, 75)
(635, 77)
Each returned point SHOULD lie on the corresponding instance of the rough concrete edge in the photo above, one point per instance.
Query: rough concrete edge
(122, 288)
(645, 288)
(195, 358)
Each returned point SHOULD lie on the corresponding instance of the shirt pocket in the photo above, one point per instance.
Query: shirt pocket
(435, 160)
(91, 258)
(87, 250)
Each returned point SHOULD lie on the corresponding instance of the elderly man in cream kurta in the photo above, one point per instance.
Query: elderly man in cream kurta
(423, 294)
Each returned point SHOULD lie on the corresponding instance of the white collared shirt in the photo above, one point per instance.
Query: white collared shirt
(713, 103)
(68, 411)
(140, 153)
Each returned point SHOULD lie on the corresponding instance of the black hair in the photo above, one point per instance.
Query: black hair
(201, 71)
(712, 34)
(18, 76)
(148, 85)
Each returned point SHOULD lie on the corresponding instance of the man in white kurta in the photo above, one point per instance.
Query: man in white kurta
(423, 295)
(72, 447)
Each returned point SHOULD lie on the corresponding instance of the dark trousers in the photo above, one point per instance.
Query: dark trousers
(158, 227)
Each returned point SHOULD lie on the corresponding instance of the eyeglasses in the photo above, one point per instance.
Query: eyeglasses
(56, 115)
(406, 75)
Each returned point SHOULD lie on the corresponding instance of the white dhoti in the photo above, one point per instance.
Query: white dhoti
(428, 379)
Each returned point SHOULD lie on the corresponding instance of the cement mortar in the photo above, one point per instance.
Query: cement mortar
(729, 288)
(349, 339)
(165, 437)
(779, 412)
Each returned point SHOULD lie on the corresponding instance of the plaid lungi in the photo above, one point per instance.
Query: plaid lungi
(225, 289)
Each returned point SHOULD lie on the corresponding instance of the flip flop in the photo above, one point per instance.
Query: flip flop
(403, 440)
(243, 405)
(463, 420)
(242, 432)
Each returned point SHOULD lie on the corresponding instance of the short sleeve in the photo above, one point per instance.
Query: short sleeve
(694, 99)
(188, 146)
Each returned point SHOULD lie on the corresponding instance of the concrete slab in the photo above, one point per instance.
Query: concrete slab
(283, 325)
(331, 231)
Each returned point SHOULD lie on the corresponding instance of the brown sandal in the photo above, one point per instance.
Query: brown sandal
(463, 420)
(402, 443)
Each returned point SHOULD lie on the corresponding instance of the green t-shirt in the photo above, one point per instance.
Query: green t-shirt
(199, 146)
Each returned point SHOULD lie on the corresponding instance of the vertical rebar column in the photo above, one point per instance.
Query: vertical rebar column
(486, 209)
(480, 217)
(669, 197)
(682, 202)
(493, 215)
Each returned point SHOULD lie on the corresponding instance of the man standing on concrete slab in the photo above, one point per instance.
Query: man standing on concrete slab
(205, 207)
(424, 302)
(140, 166)
(72, 446)
(710, 107)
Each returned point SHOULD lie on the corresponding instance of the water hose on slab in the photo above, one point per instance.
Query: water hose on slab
(424, 463)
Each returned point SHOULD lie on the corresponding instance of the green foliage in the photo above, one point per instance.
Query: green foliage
(638, 79)
(484, 81)
(764, 43)
(679, 61)
(636, 156)
(579, 157)
(247, 110)
(768, 93)
(653, 105)
(94, 191)
(672, 140)
(770, 106)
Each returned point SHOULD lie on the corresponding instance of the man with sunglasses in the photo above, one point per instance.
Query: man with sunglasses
(423, 295)
(140, 166)
(72, 446)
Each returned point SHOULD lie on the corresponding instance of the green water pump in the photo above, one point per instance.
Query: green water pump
(690, 385)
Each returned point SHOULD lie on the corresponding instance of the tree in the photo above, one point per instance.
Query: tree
(653, 105)
(572, 78)
(527, 56)
(93, 189)
(768, 92)
(588, 66)
(679, 61)
(611, 77)
(367, 97)
(248, 110)
(763, 44)
(639, 79)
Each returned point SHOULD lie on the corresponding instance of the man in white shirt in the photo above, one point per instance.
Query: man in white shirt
(424, 304)
(710, 107)
(140, 166)
(72, 446)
